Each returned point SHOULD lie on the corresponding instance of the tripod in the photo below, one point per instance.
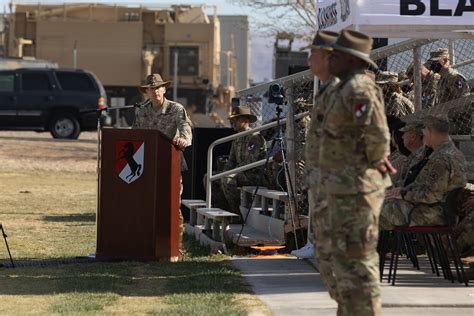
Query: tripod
(291, 194)
(6, 244)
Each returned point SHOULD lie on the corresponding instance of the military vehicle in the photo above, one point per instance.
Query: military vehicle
(122, 44)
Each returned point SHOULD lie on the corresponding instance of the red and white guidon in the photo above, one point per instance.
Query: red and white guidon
(129, 159)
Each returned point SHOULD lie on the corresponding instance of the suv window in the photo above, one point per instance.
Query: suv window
(35, 82)
(7, 82)
(75, 82)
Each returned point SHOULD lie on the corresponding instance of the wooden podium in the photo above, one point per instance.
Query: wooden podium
(138, 202)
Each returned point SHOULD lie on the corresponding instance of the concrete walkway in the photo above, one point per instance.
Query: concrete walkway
(290, 286)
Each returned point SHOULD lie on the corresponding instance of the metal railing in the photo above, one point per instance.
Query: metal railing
(213, 177)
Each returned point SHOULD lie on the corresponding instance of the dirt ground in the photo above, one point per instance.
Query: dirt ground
(21, 150)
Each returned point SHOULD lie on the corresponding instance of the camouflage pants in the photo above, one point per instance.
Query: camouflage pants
(401, 213)
(321, 238)
(230, 187)
(464, 235)
(218, 199)
(355, 227)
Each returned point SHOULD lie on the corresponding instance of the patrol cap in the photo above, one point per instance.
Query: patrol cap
(384, 77)
(356, 44)
(322, 40)
(438, 54)
(242, 111)
(154, 81)
(437, 123)
(414, 126)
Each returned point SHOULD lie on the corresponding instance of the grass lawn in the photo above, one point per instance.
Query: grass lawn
(49, 215)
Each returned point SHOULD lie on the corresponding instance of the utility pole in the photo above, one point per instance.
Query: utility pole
(175, 76)
(74, 55)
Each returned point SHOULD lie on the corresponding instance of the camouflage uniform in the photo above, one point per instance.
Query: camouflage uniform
(320, 219)
(301, 134)
(397, 160)
(452, 85)
(404, 168)
(464, 230)
(243, 151)
(429, 90)
(173, 121)
(420, 203)
(398, 105)
(354, 141)
(395, 103)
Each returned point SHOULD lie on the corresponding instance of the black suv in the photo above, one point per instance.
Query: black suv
(62, 101)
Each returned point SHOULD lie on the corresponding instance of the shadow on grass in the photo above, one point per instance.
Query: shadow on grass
(126, 279)
(82, 217)
(197, 275)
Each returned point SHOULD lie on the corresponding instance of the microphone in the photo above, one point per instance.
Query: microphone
(141, 104)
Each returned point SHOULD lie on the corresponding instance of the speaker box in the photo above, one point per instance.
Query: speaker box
(196, 158)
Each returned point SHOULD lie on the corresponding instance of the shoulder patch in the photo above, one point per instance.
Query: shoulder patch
(360, 109)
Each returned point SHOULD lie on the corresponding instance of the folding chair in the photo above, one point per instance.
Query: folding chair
(432, 240)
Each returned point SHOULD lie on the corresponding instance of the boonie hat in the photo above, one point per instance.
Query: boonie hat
(387, 77)
(355, 43)
(323, 40)
(242, 111)
(154, 81)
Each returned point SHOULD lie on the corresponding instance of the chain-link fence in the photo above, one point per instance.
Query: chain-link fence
(433, 77)
(423, 88)
(298, 92)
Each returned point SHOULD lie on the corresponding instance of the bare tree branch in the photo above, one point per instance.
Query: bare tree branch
(297, 17)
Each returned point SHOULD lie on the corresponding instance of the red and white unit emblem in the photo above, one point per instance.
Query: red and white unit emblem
(129, 159)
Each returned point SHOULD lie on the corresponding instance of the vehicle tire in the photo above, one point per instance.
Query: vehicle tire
(64, 126)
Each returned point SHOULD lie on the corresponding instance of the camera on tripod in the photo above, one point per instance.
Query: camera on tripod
(276, 94)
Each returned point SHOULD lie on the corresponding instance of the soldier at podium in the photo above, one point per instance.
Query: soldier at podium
(168, 117)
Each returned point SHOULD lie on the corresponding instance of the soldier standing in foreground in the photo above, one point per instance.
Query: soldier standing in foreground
(168, 117)
(353, 160)
(321, 230)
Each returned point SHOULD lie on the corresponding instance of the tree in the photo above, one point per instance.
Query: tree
(277, 16)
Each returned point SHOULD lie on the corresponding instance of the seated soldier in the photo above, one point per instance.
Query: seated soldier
(412, 139)
(243, 151)
(398, 152)
(419, 203)
(464, 229)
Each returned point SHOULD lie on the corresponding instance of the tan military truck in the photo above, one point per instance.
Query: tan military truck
(121, 44)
